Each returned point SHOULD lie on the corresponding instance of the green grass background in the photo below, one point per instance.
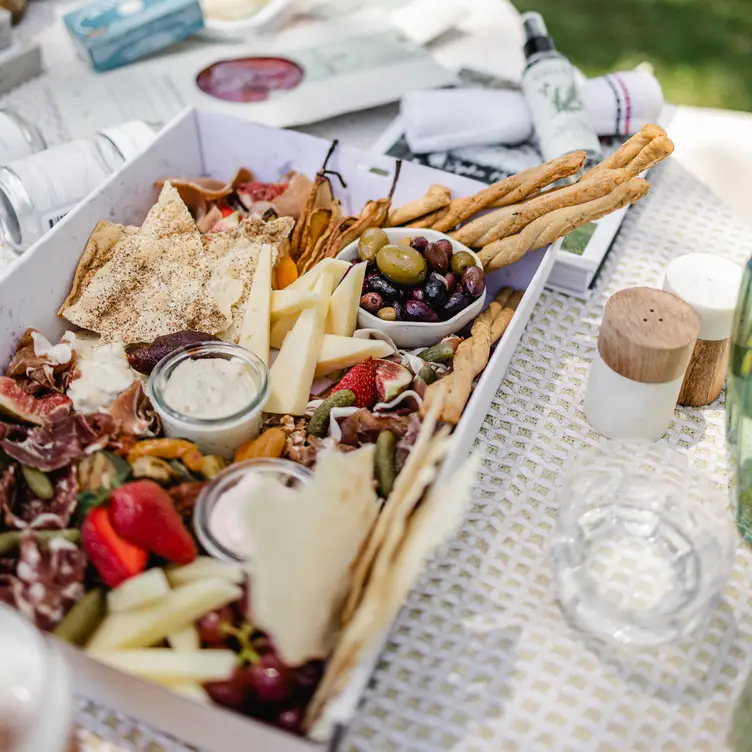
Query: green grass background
(701, 50)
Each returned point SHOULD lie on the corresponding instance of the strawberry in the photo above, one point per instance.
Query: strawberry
(361, 381)
(114, 558)
(144, 514)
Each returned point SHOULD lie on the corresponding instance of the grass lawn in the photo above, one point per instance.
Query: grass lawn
(701, 50)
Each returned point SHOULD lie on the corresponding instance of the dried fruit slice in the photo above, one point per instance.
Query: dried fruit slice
(16, 403)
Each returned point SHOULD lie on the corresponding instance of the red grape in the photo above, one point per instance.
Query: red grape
(231, 693)
(290, 719)
(269, 679)
(209, 626)
(308, 676)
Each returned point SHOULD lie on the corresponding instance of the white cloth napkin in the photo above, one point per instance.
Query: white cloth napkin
(618, 104)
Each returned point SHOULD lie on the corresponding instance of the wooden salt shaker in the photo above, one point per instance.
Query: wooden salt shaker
(710, 284)
(644, 345)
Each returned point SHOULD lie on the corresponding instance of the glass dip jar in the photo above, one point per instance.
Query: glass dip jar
(217, 515)
(212, 394)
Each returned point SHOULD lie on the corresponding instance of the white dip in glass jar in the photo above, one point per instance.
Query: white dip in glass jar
(212, 394)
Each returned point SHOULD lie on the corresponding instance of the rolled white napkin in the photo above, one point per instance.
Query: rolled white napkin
(436, 120)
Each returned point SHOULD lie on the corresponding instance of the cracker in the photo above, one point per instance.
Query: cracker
(396, 508)
(441, 512)
(304, 543)
(97, 253)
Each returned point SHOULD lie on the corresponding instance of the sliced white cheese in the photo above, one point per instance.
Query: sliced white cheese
(280, 329)
(179, 608)
(205, 567)
(337, 353)
(139, 591)
(184, 639)
(254, 333)
(286, 302)
(293, 371)
(345, 303)
(334, 267)
(165, 665)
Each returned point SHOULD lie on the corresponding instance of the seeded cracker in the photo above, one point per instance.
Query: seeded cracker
(164, 277)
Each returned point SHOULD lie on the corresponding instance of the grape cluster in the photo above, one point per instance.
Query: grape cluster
(261, 686)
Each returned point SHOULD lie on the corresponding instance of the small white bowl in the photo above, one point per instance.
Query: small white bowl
(411, 334)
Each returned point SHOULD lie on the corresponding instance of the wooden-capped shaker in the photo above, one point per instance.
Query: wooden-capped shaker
(710, 284)
(645, 342)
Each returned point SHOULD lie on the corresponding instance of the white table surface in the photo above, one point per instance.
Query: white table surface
(480, 658)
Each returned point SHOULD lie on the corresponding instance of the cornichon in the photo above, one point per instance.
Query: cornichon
(10, 541)
(38, 482)
(427, 374)
(79, 623)
(384, 469)
(441, 353)
(319, 423)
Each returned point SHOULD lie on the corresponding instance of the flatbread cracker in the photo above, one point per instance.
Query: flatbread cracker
(397, 507)
(300, 579)
(154, 282)
(96, 254)
(441, 512)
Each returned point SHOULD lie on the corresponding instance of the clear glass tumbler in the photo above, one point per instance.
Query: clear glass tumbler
(643, 544)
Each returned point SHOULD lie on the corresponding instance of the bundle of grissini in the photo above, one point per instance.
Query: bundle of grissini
(527, 212)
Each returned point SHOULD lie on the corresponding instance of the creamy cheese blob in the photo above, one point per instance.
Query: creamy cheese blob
(227, 519)
(209, 388)
(104, 373)
(55, 354)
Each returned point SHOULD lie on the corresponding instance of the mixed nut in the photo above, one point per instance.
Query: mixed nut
(416, 280)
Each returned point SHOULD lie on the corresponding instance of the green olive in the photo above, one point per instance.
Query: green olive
(387, 314)
(461, 261)
(405, 266)
(371, 241)
(405, 241)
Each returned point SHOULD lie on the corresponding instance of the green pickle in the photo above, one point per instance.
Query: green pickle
(384, 468)
(79, 624)
(319, 423)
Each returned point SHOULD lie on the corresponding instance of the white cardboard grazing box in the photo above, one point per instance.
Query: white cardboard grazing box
(205, 143)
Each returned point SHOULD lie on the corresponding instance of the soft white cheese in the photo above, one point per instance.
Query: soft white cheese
(55, 354)
(227, 520)
(210, 388)
(104, 374)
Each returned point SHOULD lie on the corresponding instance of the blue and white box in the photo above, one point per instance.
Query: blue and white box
(112, 33)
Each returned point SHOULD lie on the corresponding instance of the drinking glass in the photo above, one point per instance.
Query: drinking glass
(643, 544)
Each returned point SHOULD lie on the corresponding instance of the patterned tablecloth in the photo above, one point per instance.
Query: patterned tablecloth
(480, 657)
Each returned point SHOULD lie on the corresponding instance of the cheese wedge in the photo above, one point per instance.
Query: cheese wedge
(334, 267)
(293, 371)
(254, 333)
(281, 328)
(286, 302)
(345, 303)
(337, 352)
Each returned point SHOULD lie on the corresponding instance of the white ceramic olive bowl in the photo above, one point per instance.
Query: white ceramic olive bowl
(411, 334)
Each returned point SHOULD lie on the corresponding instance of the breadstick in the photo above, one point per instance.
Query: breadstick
(468, 366)
(558, 223)
(512, 189)
(487, 317)
(469, 233)
(628, 150)
(521, 215)
(437, 197)
(656, 151)
(429, 220)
